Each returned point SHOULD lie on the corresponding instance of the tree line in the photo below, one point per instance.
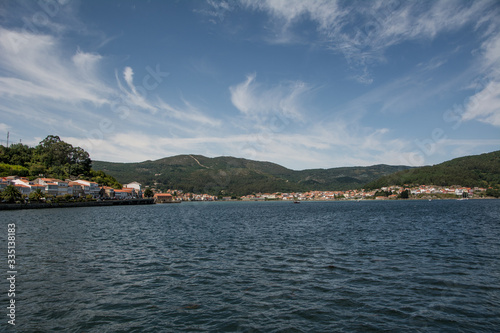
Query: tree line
(470, 171)
(51, 158)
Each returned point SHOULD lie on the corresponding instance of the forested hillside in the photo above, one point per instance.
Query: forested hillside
(478, 170)
(239, 176)
(52, 158)
(236, 176)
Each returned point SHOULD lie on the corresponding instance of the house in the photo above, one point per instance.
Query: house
(163, 197)
(107, 192)
(77, 189)
(4, 182)
(51, 187)
(35, 187)
(135, 185)
(63, 187)
(24, 189)
(19, 181)
(22, 184)
(89, 187)
(125, 193)
(54, 186)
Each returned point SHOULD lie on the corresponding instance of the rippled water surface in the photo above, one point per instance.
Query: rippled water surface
(259, 267)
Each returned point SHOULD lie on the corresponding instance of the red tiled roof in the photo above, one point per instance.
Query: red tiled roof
(163, 195)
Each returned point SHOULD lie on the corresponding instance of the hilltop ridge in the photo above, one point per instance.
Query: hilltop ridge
(476, 170)
(239, 176)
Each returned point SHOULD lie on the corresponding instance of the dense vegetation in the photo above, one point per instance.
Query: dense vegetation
(52, 158)
(237, 176)
(479, 170)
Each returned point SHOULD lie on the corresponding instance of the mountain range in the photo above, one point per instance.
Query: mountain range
(239, 176)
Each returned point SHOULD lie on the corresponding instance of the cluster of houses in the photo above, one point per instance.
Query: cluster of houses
(179, 195)
(75, 188)
(84, 188)
(362, 194)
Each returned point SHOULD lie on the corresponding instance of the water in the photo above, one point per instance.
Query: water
(258, 267)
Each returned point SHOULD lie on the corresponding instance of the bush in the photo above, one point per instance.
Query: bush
(11, 194)
(493, 193)
(36, 196)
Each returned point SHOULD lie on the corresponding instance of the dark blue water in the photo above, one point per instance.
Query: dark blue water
(258, 267)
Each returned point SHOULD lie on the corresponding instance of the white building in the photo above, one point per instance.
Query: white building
(52, 186)
(135, 185)
(89, 187)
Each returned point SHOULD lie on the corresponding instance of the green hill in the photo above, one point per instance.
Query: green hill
(238, 176)
(52, 157)
(477, 170)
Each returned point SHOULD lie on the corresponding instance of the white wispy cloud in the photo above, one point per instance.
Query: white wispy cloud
(137, 98)
(255, 100)
(36, 67)
(48, 87)
(216, 10)
(484, 105)
(134, 98)
(324, 12)
(187, 114)
(363, 31)
(128, 75)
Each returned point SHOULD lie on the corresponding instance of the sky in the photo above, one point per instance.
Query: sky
(302, 83)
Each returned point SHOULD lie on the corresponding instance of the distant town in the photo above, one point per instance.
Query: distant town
(66, 190)
(384, 193)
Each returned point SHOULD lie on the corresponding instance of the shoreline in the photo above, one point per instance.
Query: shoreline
(77, 204)
(108, 203)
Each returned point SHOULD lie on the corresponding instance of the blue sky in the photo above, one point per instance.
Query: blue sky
(306, 84)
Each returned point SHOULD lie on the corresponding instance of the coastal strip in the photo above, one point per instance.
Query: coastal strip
(77, 204)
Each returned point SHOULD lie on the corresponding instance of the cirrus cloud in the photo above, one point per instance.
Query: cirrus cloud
(255, 100)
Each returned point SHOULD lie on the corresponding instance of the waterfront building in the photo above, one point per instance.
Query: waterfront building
(163, 197)
(89, 187)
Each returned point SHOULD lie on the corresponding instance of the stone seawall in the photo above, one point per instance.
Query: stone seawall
(77, 204)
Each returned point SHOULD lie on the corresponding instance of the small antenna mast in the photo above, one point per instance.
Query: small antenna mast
(8, 139)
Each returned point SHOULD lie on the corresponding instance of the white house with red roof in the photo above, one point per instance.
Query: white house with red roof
(125, 193)
(4, 182)
(89, 187)
(54, 186)
(22, 184)
(137, 188)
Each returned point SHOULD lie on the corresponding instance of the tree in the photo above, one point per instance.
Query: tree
(11, 194)
(36, 195)
(18, 154)
(13, 170)
(405, 194)
(148, 193)
(61, 158)
(102, 178)
(37, 169)
(80, 160)
(493, 192)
